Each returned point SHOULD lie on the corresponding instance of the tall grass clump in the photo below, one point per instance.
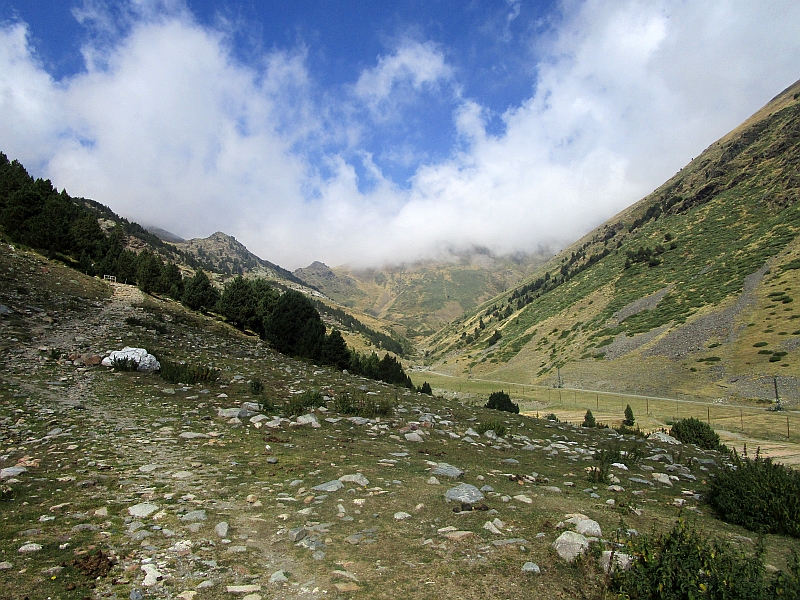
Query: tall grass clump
(694, 431)
(180, 372)
(757, 494)
(495, 425)
(124, 364)
(361, 405)
(302, 403)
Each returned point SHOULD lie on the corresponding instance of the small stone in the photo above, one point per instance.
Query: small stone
(464, 493)
(195, 515)
(523, 498)
(5, 566)
(187, 595)
(182, 475)
(151, 575)
(457, 535)
(346, 586)
(662, 478)
(297, 534)
(447, 470)
(530, 567)
(490, 527)
(243, 589)
(193, 435)
(278, 577)
(144, 509)
(329, 486)
(356, 478)
(221, 529)
(433, 481)
(413, 436)
(589, 528)
(27, 548)
(401, 516)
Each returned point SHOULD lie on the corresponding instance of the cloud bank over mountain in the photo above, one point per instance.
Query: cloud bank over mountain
(167, 124)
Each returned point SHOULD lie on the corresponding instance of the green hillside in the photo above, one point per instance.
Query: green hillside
(699, 270)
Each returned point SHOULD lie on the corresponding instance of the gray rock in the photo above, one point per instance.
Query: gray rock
(228, 413)
(278, 577)
(464, 493)
(621, 561)
(27, 548)
(193, 435)
(510, 461)
(297, 534)
(530, 567)
(414, 437)
(570, 545)
(356, 478)
(658, 436)
(195, 515)
(136, 594)
(329, 486)
(11, 472)
(143, 509)
(447, 470)
(5, 566)
(588, 527)
(221, 529)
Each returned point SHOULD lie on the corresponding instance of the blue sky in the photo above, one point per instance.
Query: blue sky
(375, 132)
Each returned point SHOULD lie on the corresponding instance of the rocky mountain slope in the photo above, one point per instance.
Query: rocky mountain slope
(695, 283)
(119, 483)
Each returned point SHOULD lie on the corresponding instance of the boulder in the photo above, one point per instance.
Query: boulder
(447, 470)
(658, 436)
(465, 493)
(146, 362)
(570, 545)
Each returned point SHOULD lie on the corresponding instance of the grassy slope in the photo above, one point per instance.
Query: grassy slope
(730, 211)
(120, 446)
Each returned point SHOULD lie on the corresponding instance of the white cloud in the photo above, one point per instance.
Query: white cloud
(169, 128)
(397, 78)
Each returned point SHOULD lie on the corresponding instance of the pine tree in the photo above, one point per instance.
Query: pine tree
(629, 420)
(589, 420)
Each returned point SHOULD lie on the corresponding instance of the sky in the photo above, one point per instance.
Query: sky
(368, 133)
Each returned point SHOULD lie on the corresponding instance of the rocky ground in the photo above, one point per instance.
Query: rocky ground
(121, 485)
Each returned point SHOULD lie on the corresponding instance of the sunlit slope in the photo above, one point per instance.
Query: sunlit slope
(700, 270)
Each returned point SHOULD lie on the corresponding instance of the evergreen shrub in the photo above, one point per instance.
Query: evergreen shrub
(757, 494)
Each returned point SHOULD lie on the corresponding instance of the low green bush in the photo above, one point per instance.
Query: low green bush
(552, 417)
(685, 563)
(502, 401)
(495, 425)
(124, 364)
(256, 387)
(695, 431)
(302, 403)
(757, 494)
(361, 405)
(180, 372)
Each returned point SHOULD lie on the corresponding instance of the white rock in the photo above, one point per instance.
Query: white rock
(221, 529)
(523, 498)
(151, 575)
(490, 527)
(589, 528)
(621, 561)
(663, 437)
(570, 545)
(25, 549)
(147, 362)
(401, 516)
(530, 567)
(662, 478)
(413, 436)
(464, 493)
